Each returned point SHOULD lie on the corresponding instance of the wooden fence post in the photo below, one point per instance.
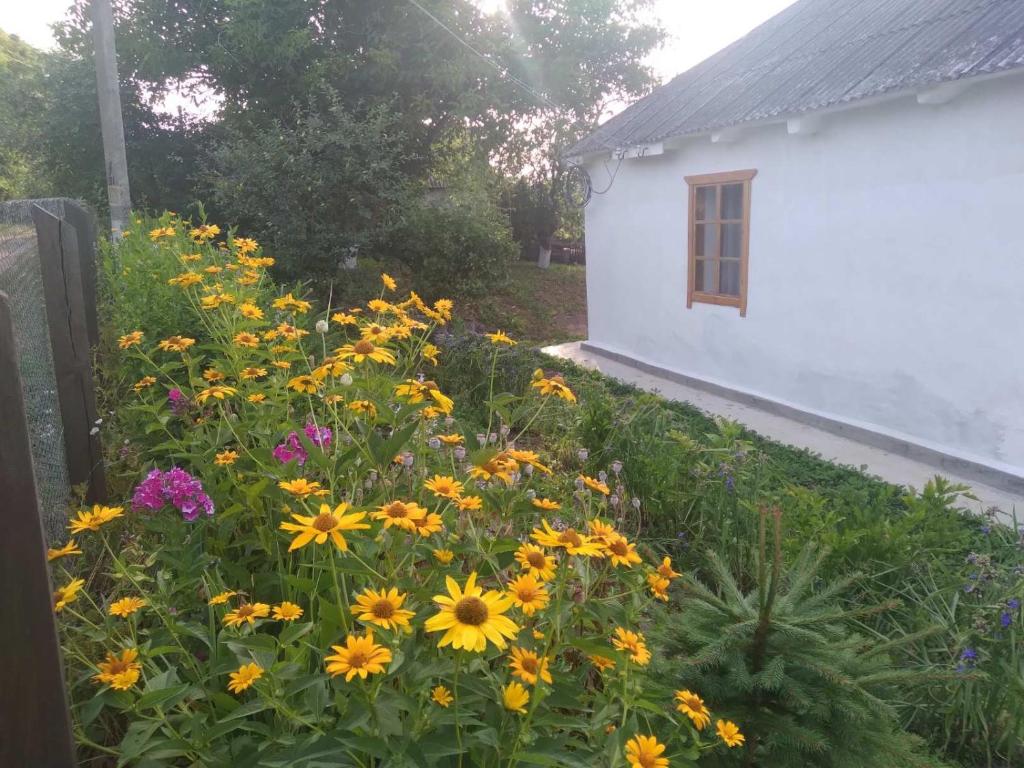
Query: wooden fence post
(69, 340)
(36, 726)
(79, 217)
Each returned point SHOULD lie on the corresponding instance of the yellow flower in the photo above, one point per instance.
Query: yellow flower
(246, 676)
(326, 525)
(602, 662)
(185, 279)
(284, 365)
(222, 598)
(67, 594)
(499, 466)
(382, 608)
(428, 524)
(528, 594)
(665, 569)
(376, 333)
(365, 349)
(119, 672)
(246, 613)
(430, 353)
(126, 606)
(144, 383)
(574, 543)
(470, 617)
(301, 487)
(250, 310)
(359, 656)
(444, 556)
(304, 383)
(364, 407)
(156, 234)
(729, 732)
(450, 439)
(130, 339)
(621, 551)
(212, 374)
(515, 697)
(632, 643)
(245, 245)
(290, 302)
(204, 232)
(442, 696)
(71, 548)
(252, 373)
(401, 514)
(469, 503)
(246, 339)
(645, 752)
(287, 611)
(659, 586)
(535, 561)
(595, 485)
(692, 705)
(500, 337)
(217, 391)
(389, 281)
(93, 520)
(176, 343)
(445, 486)
(342, 318)
(256, 398)
(546, 504)
(554, 386)
(601, 531)
(528, 666)
(527, 457)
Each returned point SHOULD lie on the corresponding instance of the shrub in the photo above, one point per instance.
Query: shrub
(320, 566)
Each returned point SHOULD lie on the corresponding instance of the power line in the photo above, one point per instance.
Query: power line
(501, 70)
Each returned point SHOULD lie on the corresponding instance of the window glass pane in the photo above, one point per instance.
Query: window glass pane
(707, 203)
(729, 282)
(704, 276)
(732, 240)
(706, 239)
(732, 201)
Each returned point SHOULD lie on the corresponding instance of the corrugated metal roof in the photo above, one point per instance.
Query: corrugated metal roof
(824, 53)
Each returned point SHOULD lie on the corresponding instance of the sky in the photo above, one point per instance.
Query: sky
(696, 28)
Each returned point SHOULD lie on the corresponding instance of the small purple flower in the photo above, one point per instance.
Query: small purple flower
(969, 654)
(175, 487)
(1013, 604)
(319, 436)
(291, 449)
(179, 403)
(1005, 619)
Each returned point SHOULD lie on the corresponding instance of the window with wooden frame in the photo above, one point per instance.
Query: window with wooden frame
(719, 240)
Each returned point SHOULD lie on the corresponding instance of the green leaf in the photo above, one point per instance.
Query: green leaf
(163, 696)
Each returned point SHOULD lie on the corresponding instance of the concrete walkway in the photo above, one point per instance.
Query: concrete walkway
(874, 461)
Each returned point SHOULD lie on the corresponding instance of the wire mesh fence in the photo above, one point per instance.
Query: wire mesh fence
(21, 278)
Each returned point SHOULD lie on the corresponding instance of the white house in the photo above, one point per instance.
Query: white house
(827, 218)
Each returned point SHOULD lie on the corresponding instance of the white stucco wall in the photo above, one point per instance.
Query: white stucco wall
(886, 276)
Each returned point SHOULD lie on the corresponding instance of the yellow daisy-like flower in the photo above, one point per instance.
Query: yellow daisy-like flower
(528, 594)
(222, 598)
(595, 485)
(442, 696)
(246, 613)
(246, 339)
(252, 372)
(418, 392)
(428, 524)
(144, 383)
(546, 504)
(250, 310)
(554, 386)
(692, 705)
(515, 697)
(326, 525)
(632, 643)
(245, 245)
(217, 391)
(204, 232)
(304, 383)
(120, 672)
(176, 343)
(471, 617)
(602, 662)
(535, 561)
(130, 339)
(342, 318)
(469, 503)
(570, 540)
(300, 487)
(212, 374)
(159, 232)
(444, 556)
(498, 466)
(365, 407)
(401, 514)
(389, 281)
(376, 332)
(126, 606)
(245, 677)
(601, 531)
(645, 752)
(621, 551)
(382, 608)
(283, 365)
(528, 666)
(659, 586)
(665, 569)
(359, 656)
(729, 732)
(430, 353)
(445, 486)
(185, 279)
(450, 439)
(67, 594)
(71, 548)
(94, 519)
(256, 398)
(287, 612)
(500, 337)
(528, 457)
(288, 301)
(364, 349)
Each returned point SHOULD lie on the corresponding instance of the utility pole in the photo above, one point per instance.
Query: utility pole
(111, 122)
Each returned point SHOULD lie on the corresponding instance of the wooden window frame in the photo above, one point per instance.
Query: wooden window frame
(717, 179)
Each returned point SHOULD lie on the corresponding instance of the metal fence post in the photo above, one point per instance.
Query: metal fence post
(69, 340)
(33, 702)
